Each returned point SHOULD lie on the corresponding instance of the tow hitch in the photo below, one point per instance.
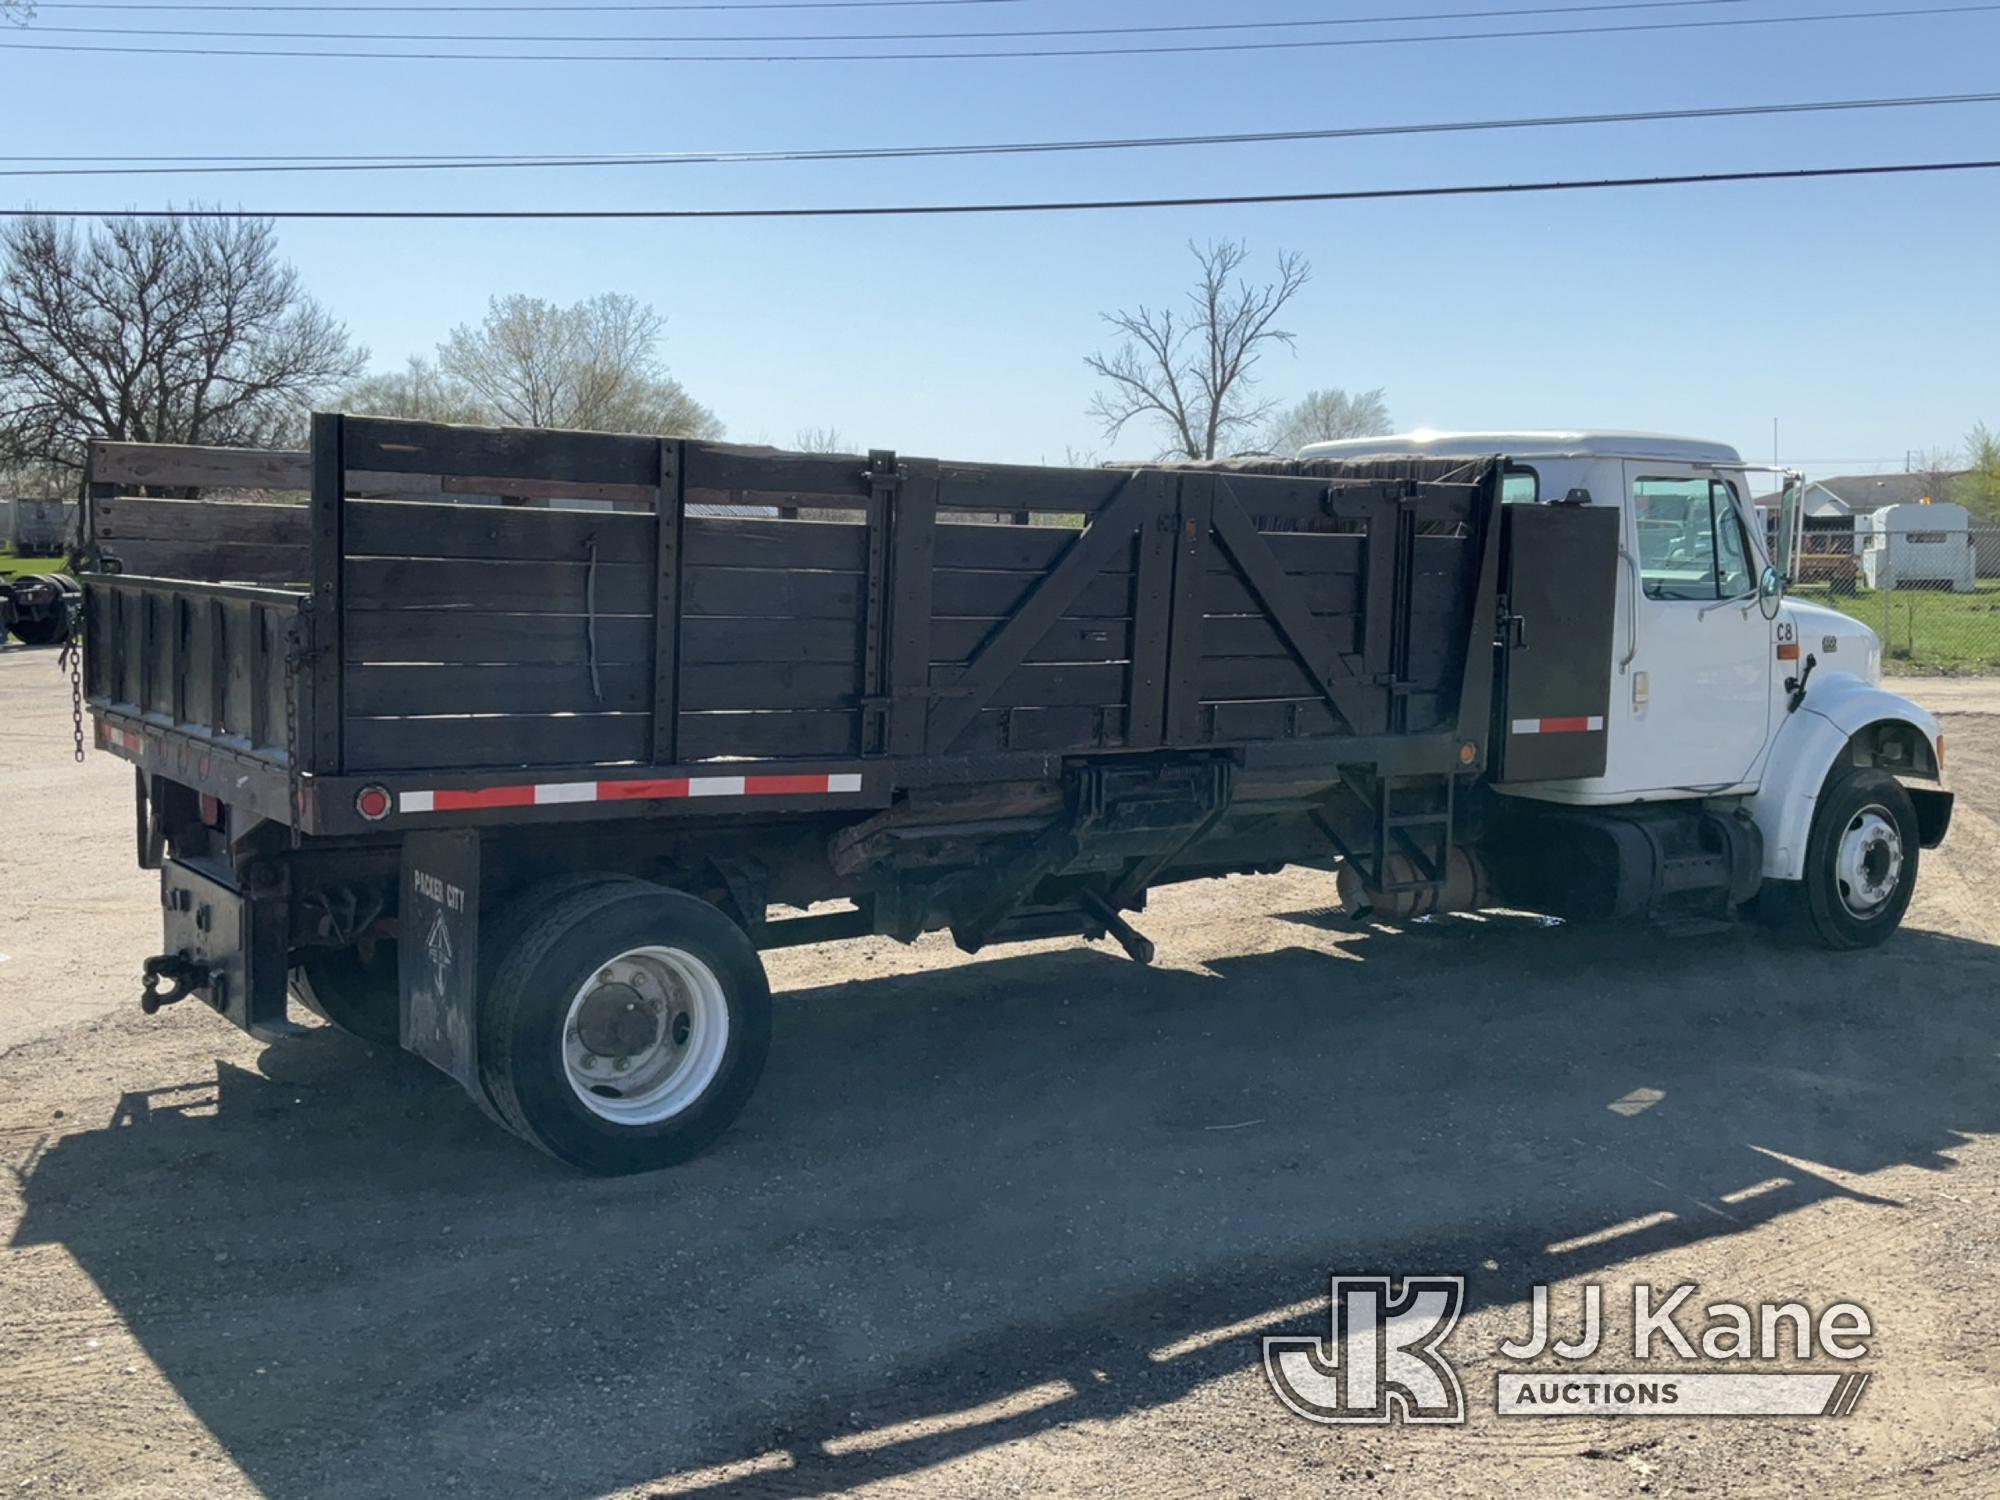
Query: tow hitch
(182, 976)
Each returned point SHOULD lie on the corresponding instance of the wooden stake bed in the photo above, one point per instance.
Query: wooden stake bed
(631, 625)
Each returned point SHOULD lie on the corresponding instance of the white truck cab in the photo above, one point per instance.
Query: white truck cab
(1725, 691)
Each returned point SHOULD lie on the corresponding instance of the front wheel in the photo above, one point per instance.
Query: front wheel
(625, 1027)
(1861, 861)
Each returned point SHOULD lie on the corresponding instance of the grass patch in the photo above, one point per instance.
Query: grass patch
(1927, 630)
(21, 567)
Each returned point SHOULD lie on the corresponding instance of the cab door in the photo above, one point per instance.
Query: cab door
(1700, 681)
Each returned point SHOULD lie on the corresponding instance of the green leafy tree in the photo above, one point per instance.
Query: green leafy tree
(1979, 486)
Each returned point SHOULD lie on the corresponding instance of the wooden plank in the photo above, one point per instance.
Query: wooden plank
(404, 528)
(178, 464)
(1255, 635)
(376, 691)
(328, 606)
(527, 742)
(1227, 678)
(724, 641)
(501, 452)
(483, 636)
(710, 686)
(1063, 685)
(477, 584)
(130, 518)
(208, 562)
(768, 471)
(1049, 597)
(768, 542)
(1023, 549)
(1085, 640)
(1001, 488)
(663, 702)
(766, 593)
(1290, 609)
(845, 509)
(1055, 730)
(1105, 595)
(1302, 553)
(1320, 593)
(749, 736)
(912, 554)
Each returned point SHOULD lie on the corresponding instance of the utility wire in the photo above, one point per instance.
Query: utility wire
(916, 210)
(218, 165)
(887, 36)
(1288, 44)
(498, 9)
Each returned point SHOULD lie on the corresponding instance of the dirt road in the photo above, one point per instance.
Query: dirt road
(999, 1227)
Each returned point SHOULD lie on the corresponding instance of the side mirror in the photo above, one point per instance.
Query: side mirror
(1770, 591)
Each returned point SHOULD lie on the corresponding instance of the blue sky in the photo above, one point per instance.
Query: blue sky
(1862, 315)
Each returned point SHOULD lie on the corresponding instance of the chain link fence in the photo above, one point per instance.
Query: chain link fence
(1932, 593)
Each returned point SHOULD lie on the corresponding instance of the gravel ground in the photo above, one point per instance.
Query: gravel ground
(998, 1227)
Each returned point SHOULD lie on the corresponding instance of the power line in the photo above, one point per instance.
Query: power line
(915, 210)
(496, 9)
(891, 36)
(419, 163)
(1288, 44)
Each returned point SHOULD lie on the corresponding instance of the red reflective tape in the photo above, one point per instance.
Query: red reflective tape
(782, 786)
(641, 791)
(1789, 651)
(1565, 726)
(492, 796)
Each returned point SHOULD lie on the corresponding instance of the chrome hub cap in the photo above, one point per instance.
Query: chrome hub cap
(1870, 862)
(645, 1035)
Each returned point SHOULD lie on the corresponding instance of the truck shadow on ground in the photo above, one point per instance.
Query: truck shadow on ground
(977, 1203)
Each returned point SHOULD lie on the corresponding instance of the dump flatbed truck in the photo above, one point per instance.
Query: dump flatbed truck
(525, 787)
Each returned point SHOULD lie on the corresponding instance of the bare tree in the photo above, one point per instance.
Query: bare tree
(820, 440)
(1939, 469)
(1192, 372)
(420, 392)
(161, 330)
(594, 364)
(1326, 416)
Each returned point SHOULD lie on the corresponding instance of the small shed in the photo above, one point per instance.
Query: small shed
(1925, 546)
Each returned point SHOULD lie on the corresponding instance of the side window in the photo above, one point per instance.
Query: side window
(1691, 542)
(1520, 485)
(1732, 547)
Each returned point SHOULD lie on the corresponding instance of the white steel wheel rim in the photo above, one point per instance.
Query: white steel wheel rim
(644, 1035)
(1869, 863)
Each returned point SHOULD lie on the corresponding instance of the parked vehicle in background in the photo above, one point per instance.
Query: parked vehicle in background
(526, 790)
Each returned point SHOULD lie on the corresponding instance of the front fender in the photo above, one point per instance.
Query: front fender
(1837, 708)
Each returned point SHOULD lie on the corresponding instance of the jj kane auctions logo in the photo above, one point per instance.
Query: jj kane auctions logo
(1383, 1359)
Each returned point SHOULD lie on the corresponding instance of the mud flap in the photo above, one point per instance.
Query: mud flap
(439, 946)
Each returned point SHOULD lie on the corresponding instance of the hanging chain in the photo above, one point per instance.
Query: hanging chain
(71, 660)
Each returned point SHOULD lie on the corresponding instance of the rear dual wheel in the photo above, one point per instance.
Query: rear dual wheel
(622, 1026)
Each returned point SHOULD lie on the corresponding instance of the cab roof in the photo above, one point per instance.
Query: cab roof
(1527, 443)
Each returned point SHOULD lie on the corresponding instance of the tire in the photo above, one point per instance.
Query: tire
(1861, 862)
(357, 992)
(49, 630)
(624, 1025)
